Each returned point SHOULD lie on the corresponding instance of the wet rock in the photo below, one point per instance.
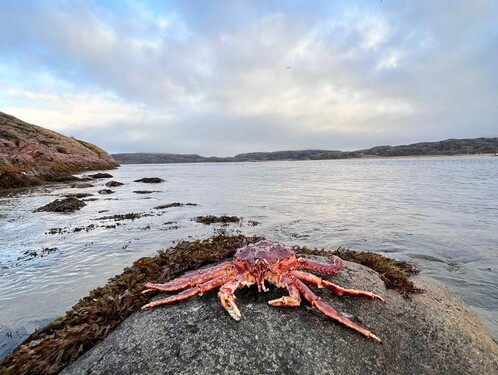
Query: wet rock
(106, 191)
(62, 205)
(100, 175)
(113, 183)
(432, 333)
(90, 199)
(150, 180)
(145, 191)
(81, 185)
(78, 195)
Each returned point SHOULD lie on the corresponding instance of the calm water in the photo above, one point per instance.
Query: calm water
(440, 213)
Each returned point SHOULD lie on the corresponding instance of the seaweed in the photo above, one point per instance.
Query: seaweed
(175, 204)
(211, 219)
(395, 274)
(64, 340)
(129, 216)
(61, 342)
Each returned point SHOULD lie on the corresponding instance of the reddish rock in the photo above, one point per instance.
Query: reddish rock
(30, 154)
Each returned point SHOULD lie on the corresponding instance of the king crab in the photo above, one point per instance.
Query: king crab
(255, 264)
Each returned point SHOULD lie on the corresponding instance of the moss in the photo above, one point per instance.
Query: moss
(395, 274)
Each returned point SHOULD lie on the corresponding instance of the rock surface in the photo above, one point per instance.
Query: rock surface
(113, 184)
(68, 204)
(100, 175)
(150, 180)
(30, 154)
(434, 333)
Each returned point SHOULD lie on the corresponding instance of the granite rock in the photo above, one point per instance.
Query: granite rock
(432, 333)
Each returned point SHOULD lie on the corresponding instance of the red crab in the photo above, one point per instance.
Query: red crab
(256, 263)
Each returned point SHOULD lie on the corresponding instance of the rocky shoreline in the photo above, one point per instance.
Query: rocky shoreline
(421, 318)
(31, 155)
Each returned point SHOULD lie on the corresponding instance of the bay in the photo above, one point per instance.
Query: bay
(440, 213)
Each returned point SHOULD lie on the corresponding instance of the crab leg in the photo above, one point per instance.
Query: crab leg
(330, 311)
(189, 280)
(227, 298)
(292, 300)
(336, 289)
(325, 269)
(195, 291)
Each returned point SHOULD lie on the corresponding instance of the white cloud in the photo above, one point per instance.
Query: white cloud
(338, 70)
(390, 60)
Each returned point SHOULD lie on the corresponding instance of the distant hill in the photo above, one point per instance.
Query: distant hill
(447, 147)
(30, 154)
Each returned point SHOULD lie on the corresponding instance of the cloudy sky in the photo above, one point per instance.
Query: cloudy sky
(224, 77)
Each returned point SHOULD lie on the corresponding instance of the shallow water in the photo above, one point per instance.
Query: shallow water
(440, 213)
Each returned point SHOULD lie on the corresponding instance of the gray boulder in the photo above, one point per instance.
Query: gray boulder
(433, 333)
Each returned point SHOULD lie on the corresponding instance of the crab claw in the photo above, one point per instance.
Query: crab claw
(227, 299)
(230, 306)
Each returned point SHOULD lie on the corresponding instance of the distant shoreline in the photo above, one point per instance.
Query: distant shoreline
(366, 158)
(449, 147)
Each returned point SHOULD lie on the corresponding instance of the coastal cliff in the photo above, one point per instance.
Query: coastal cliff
(31, 155)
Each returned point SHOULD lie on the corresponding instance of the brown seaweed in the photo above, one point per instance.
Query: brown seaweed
(211, 219)
(61, 342)
(394, 273)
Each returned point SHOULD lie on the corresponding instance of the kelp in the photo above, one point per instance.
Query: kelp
(129, 216)
(394, 273)
(211, 219)
(175, 204)
(64, 340)
(61, 342)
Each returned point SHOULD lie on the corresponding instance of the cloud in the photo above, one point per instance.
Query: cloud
(222, 79)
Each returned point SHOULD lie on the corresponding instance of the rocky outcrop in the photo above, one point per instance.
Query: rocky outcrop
(150, 180)
(30, 154)
(68, 204)
(432, 333)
